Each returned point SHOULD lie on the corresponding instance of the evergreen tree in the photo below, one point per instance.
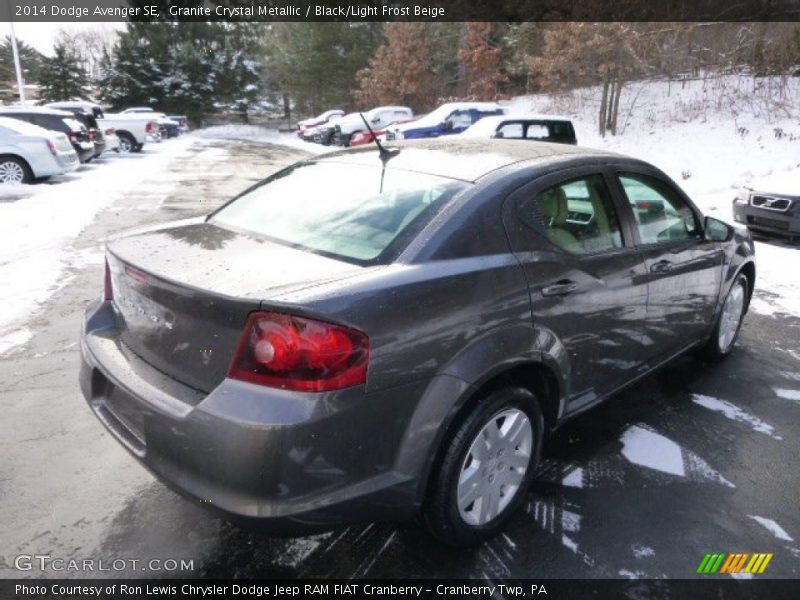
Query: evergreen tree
(62, 77)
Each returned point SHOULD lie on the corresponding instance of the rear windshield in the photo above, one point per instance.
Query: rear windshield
(339, 209)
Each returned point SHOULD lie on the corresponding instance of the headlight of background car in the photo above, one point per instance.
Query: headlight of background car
(741, 196)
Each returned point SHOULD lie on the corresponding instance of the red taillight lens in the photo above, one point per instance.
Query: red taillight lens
(92, 136)
(150, 127)
(643, 204)
(296, 353)
(52, 147)
(110, 131)
(108, 291)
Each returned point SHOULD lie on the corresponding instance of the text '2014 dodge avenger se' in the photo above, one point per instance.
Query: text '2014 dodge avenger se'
(379, 334)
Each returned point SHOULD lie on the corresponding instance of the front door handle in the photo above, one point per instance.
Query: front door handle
(662, 266)
(560, 288)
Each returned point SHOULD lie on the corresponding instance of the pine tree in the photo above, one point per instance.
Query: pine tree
(62, 77)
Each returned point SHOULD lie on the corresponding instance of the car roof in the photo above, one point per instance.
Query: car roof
(36, 110)
(464, 159)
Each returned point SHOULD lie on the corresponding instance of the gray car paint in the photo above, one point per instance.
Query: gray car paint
(458, 308)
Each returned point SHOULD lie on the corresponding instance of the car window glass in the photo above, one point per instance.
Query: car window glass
(661, 214)
(73, 124)
(510, 130)
(577, 216)
(349, 211)
(460, 118)
(537, 132)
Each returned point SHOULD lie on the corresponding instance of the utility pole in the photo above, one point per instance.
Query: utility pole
(15, 51)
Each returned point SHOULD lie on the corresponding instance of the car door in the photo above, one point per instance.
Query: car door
(458, 121)
(684, 270)
(585, 278)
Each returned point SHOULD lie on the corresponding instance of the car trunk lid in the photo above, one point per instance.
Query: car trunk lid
(184, 293)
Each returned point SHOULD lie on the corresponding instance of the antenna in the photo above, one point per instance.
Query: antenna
(385, 153)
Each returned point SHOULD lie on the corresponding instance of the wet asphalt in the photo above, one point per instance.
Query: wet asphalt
(643, 486)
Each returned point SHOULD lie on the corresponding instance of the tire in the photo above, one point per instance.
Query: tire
(138, 147)
(14, 170)
(729, 322)
(480, 518)
(127, 142)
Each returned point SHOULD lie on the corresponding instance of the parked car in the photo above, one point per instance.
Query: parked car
(323, 133)
(400, 342)
(771, 205)
(540, 128)
(448, 119)
(168, 128)
(365, 137)
(378, 118)
(55, 120)
(131, 129)
(318, 120)
(29, 152)
(86, 117)
(83, 105)
(182, 121)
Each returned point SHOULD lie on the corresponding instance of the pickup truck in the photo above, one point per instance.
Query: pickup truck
(132, 129)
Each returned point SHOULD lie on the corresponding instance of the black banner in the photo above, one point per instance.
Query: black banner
(481, 589)
(399, 10)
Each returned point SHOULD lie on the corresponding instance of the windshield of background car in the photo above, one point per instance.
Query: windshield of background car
(352, 212)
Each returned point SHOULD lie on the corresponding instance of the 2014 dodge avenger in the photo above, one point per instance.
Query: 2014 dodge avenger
(386, 333)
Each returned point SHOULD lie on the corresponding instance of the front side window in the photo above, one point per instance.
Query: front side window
(347, 211)
(577, 216)
(510, 131)
(661, 214)
(459, 119)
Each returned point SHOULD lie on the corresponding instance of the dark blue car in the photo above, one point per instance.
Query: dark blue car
(448, 119)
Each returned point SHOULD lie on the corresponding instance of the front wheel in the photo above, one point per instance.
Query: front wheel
(486, 469)
(726, 331)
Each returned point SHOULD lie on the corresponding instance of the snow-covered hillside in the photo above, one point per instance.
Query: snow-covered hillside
(711, 136)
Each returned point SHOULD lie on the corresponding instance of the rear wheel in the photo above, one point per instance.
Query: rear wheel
(729, 322)
(126, 142)
(486, 469)
(14, 170)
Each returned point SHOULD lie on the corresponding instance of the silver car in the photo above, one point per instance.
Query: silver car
(30, 152)
(771, 205)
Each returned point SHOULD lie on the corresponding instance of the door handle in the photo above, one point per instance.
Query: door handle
(560, 288)
(662, 266)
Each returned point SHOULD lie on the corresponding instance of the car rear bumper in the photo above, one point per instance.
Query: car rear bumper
(85, 150)
(771, 221)
(296, 462)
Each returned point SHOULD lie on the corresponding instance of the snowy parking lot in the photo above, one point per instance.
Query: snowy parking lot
(693, 459)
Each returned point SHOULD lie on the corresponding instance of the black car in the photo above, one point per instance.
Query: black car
(538, 128)
(400, 342)
(96, 135)
(57, 120)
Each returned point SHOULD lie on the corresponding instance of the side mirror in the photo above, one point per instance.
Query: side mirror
(716, 230)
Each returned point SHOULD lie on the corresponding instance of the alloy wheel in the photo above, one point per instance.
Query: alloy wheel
(731, 317)
(494, 466)
(11, 172)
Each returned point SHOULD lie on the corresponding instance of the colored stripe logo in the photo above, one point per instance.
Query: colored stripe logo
(739, 562)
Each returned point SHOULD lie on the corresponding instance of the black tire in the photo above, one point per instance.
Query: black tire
(12, 165)
(440, 513)
(138, 147)
(712, 350)
(127, 143)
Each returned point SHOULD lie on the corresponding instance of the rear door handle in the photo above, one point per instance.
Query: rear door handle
(560, 288)
(662, 266)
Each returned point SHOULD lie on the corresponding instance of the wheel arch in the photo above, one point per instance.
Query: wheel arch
(26, 164)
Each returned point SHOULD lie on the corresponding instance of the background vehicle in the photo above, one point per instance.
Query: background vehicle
(29, 152)
(378, 118)
(131, 129)
(540, 128)
(323, 133)
(542, 296)
(182, 121)
(318, 120)
(82, 105)
(448, 119)
(771, 205)
(56, 120)
(365, 137)
(167, 127)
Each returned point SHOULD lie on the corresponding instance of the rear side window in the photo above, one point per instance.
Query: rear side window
(510, 131)
(347, 211)
(578, 216)
(661, 214)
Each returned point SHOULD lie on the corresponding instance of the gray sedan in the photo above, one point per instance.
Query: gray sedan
(380, 334)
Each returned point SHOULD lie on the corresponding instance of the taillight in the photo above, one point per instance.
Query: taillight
(108, 291)
(643, 204)
(150, 127)
(92, 135)
(297, 353)
(73, 137)
(110, 131)
(52, 147)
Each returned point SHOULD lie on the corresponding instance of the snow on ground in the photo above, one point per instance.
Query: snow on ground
(772, 527)
(36, 230)
(255, 133)
(711, 136)
(734, 413)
